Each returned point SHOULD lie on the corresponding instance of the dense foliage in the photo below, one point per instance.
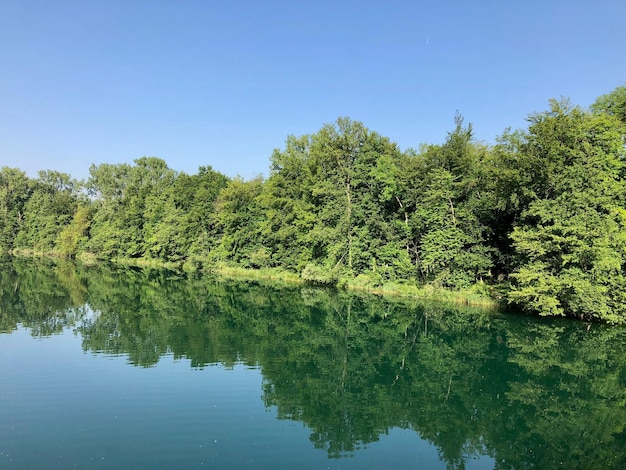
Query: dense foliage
(540, 215)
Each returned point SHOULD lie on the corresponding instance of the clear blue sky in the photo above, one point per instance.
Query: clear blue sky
(223, 83)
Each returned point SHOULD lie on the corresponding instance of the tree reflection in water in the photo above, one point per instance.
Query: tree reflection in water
(529, 392)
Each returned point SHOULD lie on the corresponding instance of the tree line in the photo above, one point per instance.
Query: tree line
(539, 216)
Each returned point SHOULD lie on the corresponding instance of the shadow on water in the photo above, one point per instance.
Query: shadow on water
(530, 393)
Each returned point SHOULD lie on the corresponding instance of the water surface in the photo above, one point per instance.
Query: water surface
(148, 369)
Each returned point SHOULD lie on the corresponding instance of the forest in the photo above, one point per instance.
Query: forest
(537, 220)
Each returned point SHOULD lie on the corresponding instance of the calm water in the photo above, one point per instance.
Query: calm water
(146, 369)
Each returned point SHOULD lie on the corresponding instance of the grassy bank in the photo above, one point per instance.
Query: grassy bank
(478, 295)
(263, 274)
(31, 253)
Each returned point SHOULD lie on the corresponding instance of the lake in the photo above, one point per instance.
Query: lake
(128, 368)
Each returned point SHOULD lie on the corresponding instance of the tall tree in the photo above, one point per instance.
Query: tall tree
(15, 190)
(331, 202)
(287, 203)
(131, 201)
(49, 209)
(108, 185)
(74, 237)
(238, 215)
(206, 185)
(442, 190)
(570, 242)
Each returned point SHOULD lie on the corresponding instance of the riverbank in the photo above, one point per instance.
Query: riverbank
(479, 295)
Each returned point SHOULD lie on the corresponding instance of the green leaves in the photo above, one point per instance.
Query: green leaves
(15, 190)
(237, 216)
(543, 211)
(570, 240)
(47, 211)
(331, 202)
(613, 103)
(443, 199)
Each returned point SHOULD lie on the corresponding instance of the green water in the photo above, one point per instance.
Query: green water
(147, 369)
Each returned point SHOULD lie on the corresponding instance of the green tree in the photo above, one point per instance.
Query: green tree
(443, 191)
(148, 205)
(331, 203)
(237, 216)
(613, 103)
(204, 189)
(74, 236)
(287, 204)
(108, 185)
(131, 202)
(48, 211)
(15, 190)
(570, 241)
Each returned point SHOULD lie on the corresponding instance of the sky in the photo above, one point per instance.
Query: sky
(223, 83)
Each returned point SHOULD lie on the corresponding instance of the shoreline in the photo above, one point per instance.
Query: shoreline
(473, 297)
